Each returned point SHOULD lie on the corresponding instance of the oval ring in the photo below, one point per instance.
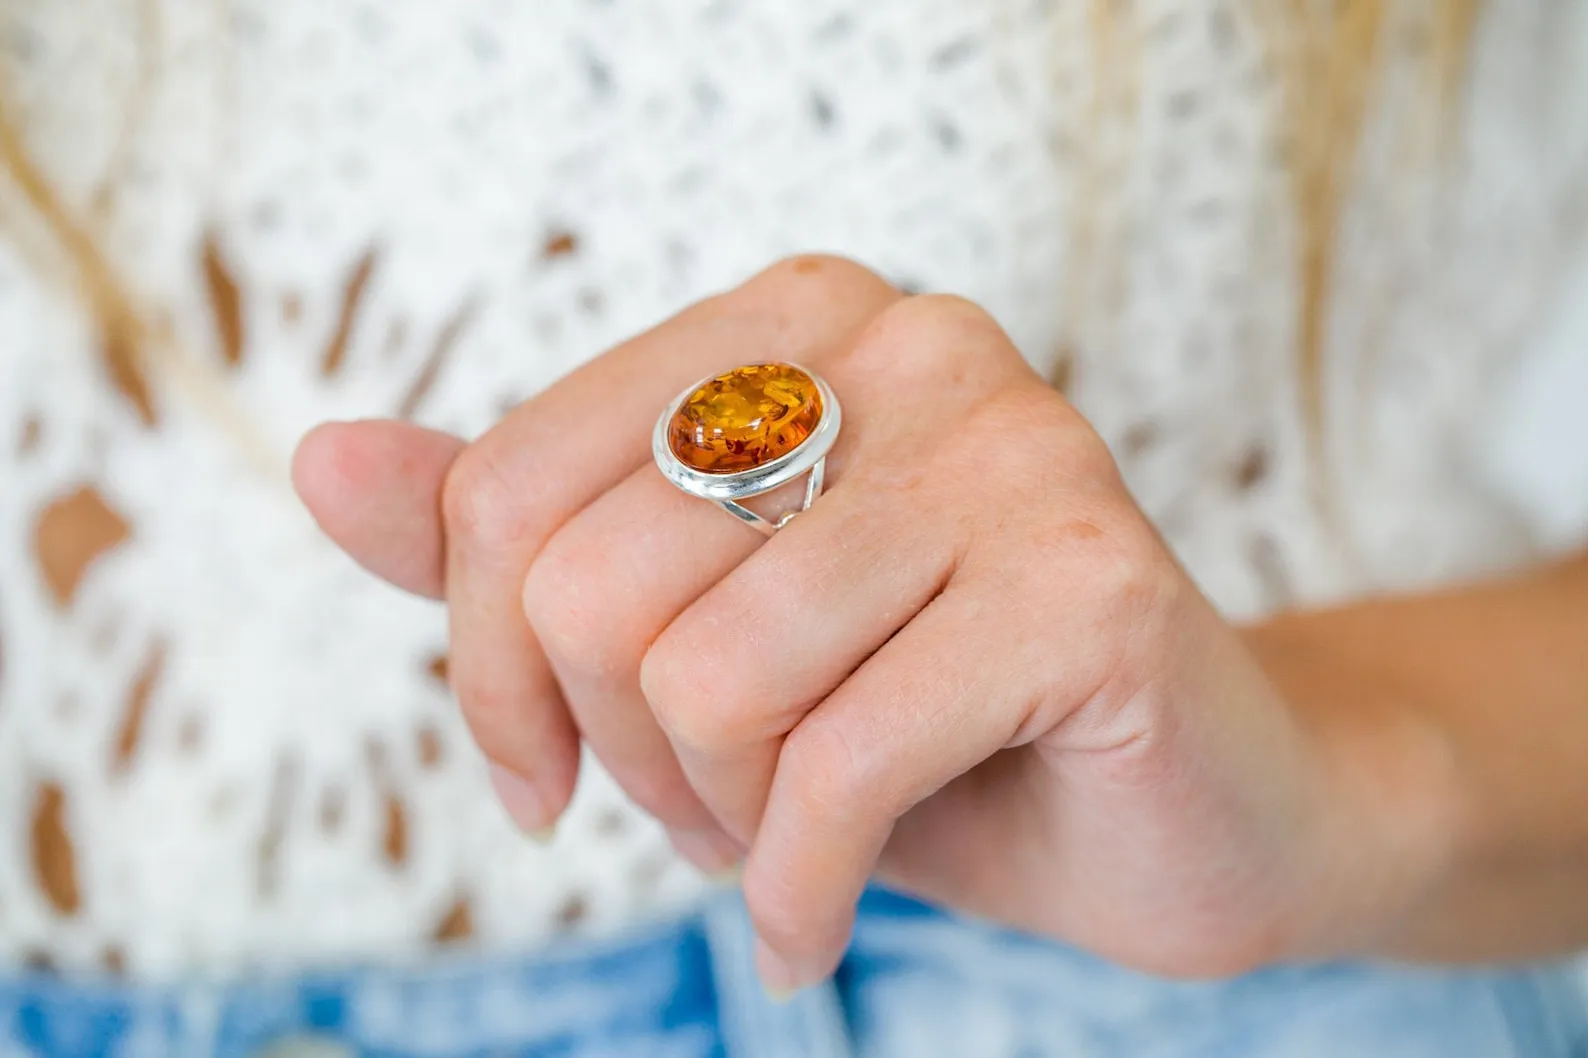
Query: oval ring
(727, 489)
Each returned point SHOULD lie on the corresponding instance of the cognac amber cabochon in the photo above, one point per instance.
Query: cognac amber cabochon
(745, 419)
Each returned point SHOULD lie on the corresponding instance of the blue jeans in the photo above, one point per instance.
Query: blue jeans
(916, 984)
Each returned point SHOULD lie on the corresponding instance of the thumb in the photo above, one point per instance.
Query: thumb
(374, 487)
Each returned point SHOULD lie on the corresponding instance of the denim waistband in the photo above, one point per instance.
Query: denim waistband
(916, 983)
(684, 990)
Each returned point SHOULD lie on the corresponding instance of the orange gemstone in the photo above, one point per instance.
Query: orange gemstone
(746, 418)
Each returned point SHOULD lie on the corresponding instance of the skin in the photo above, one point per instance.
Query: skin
(971, 669)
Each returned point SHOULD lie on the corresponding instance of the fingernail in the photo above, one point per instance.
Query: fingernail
(778, 978)
(523, 803)
(710, 850)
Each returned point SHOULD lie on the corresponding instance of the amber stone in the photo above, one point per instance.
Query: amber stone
(745, 418)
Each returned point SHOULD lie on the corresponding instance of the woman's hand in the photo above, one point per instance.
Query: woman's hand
(971, 666)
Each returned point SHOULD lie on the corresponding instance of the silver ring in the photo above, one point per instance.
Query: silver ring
(717, 468)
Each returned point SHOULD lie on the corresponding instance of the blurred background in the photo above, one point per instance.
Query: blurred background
(225, 748)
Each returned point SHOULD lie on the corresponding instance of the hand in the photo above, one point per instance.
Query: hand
(971, 667)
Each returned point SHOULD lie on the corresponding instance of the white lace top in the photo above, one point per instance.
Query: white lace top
(221, 744)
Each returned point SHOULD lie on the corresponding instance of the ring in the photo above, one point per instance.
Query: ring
(745, 433)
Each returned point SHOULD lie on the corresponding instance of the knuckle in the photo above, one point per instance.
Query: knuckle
(1130, 586)
(1122, 588)
(825, 275)
(1088, 456)
(935, 313)
(1032, 433)
(480, 505)
(1130, 570)
(925, 331)
(698, 692)
(1106, 546)
(679, 682)
(801, 297)
(1008, 443)
(577, 614)
(831, 775)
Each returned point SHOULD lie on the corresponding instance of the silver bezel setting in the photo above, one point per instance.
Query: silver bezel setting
(726, 489)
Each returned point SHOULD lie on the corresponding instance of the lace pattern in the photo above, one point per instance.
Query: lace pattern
(222, 745)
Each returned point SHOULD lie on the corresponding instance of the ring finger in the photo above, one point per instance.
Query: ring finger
(512, 490)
